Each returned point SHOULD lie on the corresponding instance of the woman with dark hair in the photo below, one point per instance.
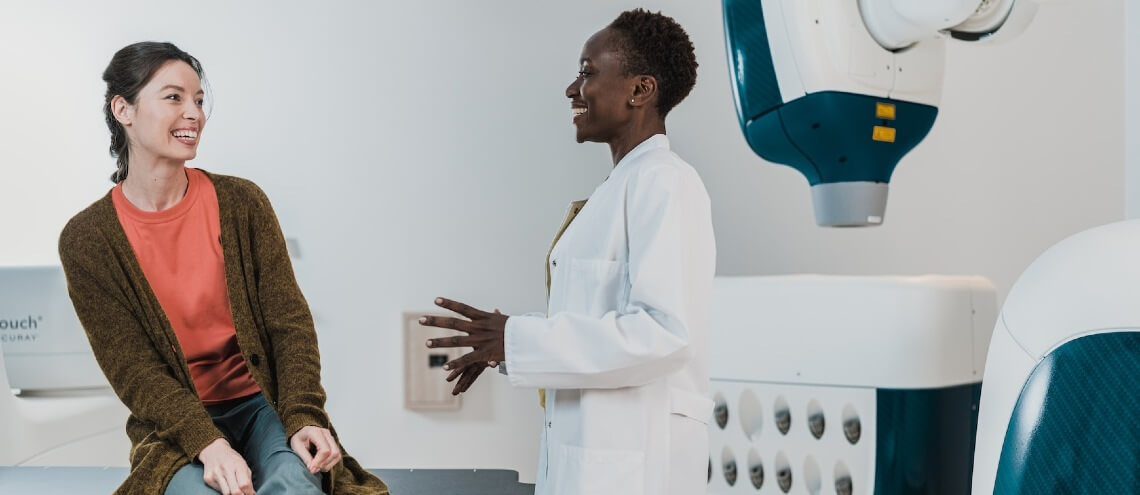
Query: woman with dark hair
(623, 349)
(184, 287)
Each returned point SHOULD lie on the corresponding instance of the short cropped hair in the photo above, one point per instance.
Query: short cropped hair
(653, 44)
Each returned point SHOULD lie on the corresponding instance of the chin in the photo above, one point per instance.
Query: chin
(583, 136)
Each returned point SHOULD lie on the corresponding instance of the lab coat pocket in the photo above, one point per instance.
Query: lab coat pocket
(595, 287)
(583, 471)
(690, 405)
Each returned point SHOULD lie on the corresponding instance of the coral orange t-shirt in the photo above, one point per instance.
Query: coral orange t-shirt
(180, 252)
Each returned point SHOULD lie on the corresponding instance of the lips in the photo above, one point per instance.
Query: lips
(577, 111)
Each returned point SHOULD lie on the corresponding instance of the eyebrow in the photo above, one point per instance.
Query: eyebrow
(179, 88)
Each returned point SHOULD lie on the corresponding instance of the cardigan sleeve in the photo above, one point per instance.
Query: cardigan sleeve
(288, 321)
(141, 378)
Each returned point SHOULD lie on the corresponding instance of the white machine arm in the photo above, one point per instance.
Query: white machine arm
(842, 90)
(898, 24)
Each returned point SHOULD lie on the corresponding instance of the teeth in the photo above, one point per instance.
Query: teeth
(578, 111)
(185, 134)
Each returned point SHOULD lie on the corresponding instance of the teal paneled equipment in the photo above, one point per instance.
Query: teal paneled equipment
(1060, 409)
(843, 132)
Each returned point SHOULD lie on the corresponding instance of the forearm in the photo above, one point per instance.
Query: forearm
(576, 351)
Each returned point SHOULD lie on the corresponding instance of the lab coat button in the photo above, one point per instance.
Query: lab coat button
(254, 359)
(554, 262)
(549, 424)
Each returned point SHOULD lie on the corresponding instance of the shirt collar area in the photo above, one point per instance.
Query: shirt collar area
(123, 206)
(653, 142)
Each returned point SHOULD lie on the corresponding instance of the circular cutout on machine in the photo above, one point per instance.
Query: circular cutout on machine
(728, 465)
(812, 479)
(815, 419)
(755, 469)
(783, 472)
(852, 427)
(751, 414)
(843, 485)
(783, 415)
(720, 410)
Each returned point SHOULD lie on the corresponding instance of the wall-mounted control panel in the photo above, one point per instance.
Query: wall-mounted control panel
(425, 387)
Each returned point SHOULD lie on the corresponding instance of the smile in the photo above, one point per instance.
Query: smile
(185, 135)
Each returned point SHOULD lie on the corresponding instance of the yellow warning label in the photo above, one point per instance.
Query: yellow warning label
(884, 134)
(885, 110)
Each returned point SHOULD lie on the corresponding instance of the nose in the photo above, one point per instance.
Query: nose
(572, 89)
(191, 111)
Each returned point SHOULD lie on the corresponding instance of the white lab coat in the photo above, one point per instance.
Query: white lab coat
(624, 352)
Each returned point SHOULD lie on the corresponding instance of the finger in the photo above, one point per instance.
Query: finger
(493, 364)
(301, 447)
(465, 360)
(334, 459)
(448, 322)
(212, 481)
(460, 308)
(244, 484)
(323, 452)
(454, 374)
(498, 312)
(233, 482)
(456, 341)
(467, 380)
(223, 486)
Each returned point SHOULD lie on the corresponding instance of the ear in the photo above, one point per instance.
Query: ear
(644, 90)
(122, 110)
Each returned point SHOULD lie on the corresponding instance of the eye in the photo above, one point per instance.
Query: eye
(173, 97)
(200, 102)
(583, 73)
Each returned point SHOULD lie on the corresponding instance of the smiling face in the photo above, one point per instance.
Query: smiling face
(165, 122)
(599, 96)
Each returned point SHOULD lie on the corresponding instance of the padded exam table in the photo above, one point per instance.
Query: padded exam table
(97, 480)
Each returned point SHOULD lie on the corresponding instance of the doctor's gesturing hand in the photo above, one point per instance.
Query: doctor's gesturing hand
(484, 333)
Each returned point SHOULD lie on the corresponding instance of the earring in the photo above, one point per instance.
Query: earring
(631, 101)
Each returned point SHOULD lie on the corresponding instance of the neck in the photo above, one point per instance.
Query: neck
(154, 184)
(638, 133)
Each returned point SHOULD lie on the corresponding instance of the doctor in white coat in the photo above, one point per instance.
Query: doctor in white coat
(623, 349)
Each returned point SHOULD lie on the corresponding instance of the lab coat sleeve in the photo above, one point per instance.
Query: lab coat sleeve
(134, 367)
(503, 365)
(646, 339)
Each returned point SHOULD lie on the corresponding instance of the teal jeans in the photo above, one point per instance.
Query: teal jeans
(254, 431)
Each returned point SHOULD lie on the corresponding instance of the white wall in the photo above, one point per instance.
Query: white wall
(1132, 109)
(417, 149)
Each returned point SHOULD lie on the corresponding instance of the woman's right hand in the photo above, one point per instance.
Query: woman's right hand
(225, 469)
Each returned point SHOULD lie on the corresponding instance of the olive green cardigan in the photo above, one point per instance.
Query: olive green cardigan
(138, 351)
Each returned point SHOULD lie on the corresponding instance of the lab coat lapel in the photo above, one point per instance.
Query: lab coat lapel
(571, 213)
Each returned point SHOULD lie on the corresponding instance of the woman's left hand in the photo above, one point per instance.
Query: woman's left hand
(317, 448)
(485, 332)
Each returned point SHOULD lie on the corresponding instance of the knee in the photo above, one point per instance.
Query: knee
(284, 470)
